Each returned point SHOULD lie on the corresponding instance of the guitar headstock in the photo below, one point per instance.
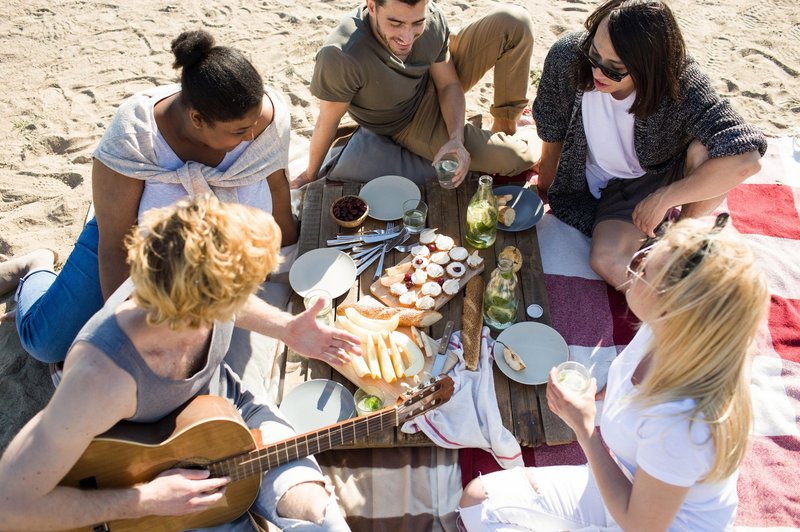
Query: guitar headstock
(424, 397)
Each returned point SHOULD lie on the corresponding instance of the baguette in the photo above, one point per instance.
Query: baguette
(472, 322)
(408, 316)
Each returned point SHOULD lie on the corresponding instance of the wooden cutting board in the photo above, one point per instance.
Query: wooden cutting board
(387, 298)
(392, 391)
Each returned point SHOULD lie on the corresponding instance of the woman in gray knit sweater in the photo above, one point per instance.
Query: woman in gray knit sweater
(632, 128)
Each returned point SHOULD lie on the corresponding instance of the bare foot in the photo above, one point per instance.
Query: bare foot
(504, 125)
(15, 269)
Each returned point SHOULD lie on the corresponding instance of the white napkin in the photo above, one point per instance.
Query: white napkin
(471, 418)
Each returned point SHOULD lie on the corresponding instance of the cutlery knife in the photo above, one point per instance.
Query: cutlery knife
(441, 354)
(402, 237)
(519, 194)
(365, 239)
(364, 261)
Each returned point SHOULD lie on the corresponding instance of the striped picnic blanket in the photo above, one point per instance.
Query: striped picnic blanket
(418, 489)
(595, 321)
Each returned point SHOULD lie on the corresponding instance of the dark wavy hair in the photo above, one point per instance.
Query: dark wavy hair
(648, 41)
(216, 81)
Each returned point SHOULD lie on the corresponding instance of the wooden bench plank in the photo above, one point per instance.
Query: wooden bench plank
(294, 365)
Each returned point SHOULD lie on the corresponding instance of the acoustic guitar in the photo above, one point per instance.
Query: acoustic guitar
(207, 432)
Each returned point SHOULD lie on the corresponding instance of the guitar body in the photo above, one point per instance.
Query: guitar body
(208, 433)
(205, 430)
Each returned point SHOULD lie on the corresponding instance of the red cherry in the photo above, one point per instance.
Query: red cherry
(407, 277)
(409, 284)
(440, 280)
(432, 247)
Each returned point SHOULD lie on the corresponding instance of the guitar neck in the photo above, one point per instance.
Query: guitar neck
(277, 454)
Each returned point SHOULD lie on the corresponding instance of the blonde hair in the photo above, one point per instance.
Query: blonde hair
(713, 302)
(198, 261)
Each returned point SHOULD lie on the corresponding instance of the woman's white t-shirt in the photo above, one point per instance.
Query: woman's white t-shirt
(661, 441)
(608, 127)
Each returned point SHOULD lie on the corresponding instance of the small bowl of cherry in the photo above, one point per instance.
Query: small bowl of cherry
(349, 211)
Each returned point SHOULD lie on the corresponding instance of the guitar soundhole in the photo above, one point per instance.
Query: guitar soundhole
(88, 483)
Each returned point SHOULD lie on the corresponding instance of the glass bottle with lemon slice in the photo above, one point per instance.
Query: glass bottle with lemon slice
(482, 216)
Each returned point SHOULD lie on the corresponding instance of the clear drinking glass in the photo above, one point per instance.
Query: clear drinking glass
(573, 376)
(446, 171)
(369, 399)
(414, 214)
(325, 315)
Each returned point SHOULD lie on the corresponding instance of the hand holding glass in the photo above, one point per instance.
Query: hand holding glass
(446, 170)
(573, 377)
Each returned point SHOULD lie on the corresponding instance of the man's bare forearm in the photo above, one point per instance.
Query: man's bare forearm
(453, 108)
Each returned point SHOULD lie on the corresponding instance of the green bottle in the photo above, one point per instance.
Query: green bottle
(500, 298)
(482, 215)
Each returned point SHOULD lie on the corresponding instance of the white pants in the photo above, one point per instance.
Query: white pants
(567, 499)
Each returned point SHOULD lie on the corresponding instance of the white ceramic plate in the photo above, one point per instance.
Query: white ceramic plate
(385, 196)
(540, 347)
(317, 403)
(529, 209)
(328, 269)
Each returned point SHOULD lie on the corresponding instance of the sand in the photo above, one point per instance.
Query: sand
(66, 66)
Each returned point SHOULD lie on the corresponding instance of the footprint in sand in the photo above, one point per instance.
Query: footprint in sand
(749, 52)
(216, 16)
(71, 179)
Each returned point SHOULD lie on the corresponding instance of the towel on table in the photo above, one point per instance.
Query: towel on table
(471, 418)
(127, 147)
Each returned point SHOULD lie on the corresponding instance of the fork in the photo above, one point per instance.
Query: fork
(404, 235)
(366, 256)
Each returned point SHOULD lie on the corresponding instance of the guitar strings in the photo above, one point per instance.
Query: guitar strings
(242, 466)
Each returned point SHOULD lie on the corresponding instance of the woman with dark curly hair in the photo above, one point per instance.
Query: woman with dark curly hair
(220, 130)
(632, 128)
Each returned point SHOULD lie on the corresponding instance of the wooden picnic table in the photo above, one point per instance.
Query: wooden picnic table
(523, 408)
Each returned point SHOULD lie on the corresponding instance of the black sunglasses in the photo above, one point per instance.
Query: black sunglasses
(611, 74)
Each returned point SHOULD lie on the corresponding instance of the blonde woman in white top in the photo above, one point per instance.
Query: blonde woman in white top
(676, 414)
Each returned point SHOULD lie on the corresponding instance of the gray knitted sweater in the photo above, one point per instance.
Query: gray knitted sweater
(660, 140)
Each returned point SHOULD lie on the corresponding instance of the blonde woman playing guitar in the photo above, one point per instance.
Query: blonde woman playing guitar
(194, 268)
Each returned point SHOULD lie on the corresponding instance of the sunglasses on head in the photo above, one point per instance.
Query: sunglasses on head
(637, 263)
(610, 73)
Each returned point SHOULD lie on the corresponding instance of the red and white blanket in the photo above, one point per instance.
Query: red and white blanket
(594, 320)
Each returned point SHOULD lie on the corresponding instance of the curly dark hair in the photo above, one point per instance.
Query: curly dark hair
(216, 81)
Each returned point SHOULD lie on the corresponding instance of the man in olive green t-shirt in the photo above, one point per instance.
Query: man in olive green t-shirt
(395, 67)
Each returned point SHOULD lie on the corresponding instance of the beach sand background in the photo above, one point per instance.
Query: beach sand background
(66, 66)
